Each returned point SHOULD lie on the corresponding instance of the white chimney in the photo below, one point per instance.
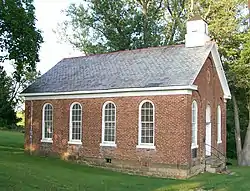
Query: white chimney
(197, 32)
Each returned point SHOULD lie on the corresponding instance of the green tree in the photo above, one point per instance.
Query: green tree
(109, 25)
(7, 113)
(19, 38)
(19, 44)
(241, 70)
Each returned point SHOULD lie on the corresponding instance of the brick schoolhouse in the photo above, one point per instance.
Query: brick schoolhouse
(155, 111)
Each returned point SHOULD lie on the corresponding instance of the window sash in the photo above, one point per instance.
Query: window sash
(47, 127)
(146, 134)
(219, 125)
(76, 123)
(194, 124)
(194, 134)
(109, 132)
(109, 123)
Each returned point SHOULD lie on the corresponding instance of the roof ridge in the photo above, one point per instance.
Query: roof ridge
(132, 50)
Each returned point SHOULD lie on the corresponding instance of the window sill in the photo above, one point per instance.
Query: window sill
(219, 142)
(145, 146)
(75, 142)
(194, 146)
(46, 141)
(108, 145)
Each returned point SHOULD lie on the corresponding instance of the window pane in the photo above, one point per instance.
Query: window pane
(143, 140)
(150, 139)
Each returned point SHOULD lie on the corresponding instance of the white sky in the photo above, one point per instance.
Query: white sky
(48, 14)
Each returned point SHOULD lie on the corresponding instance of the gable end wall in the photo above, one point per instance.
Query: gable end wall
(209, 92)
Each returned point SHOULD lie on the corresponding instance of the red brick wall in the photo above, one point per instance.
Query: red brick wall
(209, 93)
(170, 128)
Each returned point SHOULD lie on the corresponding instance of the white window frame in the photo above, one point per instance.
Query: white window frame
(46, 140)
(219, 116)
(76, 142)
(140, 144)
(107, 143)
(194, 108)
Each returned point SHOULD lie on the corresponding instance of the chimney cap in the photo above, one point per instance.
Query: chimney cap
(197, 17)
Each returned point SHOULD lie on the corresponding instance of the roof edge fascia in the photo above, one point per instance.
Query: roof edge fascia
(220, 72)
(110, 91)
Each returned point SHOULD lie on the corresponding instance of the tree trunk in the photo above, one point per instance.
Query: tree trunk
(145, 23)
(237, 130)
(246, 148)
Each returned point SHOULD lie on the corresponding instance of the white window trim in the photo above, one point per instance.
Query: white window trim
(146, 145)
(47, 140)
(195, 145)
(219, 128)
(76, 142)
(107, 143)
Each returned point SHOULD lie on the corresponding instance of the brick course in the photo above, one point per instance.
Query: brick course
(172, 128)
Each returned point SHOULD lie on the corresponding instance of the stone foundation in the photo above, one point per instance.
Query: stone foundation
(139, 167)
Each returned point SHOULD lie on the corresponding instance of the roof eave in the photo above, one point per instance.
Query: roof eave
(169, 88)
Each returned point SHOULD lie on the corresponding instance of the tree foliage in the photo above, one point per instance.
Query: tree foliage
(19, 45)
(241, 71)
(108, 25)
(7, 113)
(19, 38)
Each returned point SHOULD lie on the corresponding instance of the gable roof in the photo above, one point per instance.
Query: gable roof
(142, 68)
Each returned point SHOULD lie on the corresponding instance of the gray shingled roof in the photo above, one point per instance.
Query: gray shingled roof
(150, 67)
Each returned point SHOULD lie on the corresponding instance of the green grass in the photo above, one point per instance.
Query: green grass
(19, 171)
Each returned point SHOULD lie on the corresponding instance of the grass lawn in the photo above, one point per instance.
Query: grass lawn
(19, 171)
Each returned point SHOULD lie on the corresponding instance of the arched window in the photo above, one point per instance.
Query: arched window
(146, 124)
(47, 123)
(194, 124)
(75, 134)
(108, 124)
(219, 124)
